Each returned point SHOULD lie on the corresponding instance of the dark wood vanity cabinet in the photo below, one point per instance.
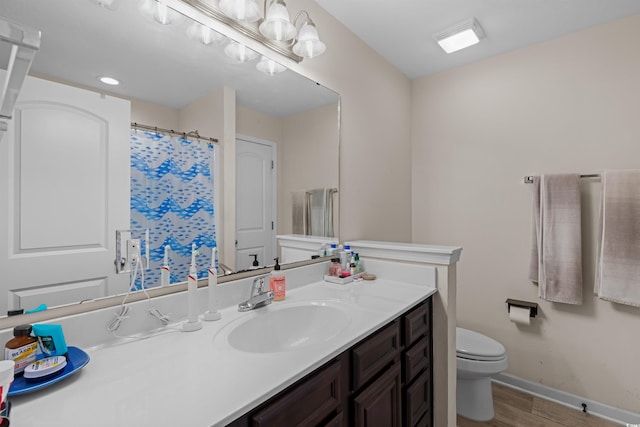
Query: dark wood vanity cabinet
(417, 378)
(376, 382)
(385, 380)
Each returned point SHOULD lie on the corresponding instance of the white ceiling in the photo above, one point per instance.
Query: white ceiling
(402, 30)
(159, 64)
(155, 63)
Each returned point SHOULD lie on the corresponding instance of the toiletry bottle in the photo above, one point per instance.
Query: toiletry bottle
(335, 269)
(22, 348)
(277, 283)
(359, 267)
(344, 257)
(322, 252)
(333, 249)
(254, 263)
(51, 338)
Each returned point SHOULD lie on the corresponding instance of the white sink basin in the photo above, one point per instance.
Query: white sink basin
(288, 327)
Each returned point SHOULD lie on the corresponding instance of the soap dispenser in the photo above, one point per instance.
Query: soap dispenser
(277, 283)
(255, 263)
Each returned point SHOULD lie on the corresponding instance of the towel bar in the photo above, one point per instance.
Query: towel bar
(528, 179)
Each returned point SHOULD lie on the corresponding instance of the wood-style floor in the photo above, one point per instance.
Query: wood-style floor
(514, 408)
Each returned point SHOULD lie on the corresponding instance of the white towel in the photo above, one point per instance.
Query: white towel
(320, 211)
(298, 209)
(557, 240)
(618, 263)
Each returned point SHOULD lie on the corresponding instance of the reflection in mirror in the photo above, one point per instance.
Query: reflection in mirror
(71, 157)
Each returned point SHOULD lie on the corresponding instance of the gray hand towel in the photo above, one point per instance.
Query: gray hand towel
(557, 246)
(298, 209)
(618, 263)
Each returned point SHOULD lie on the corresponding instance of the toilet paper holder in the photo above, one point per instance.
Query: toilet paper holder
(532, 306)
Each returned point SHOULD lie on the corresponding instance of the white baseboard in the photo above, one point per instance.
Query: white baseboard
(610, 413)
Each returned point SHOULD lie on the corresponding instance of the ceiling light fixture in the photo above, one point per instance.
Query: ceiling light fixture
(109, 80)
(460, 36)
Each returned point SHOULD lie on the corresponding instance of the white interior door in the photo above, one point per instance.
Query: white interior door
(255, 202)
(64, 183)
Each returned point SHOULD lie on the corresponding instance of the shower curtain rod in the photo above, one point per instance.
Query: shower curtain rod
(193, 133)
(529, 178)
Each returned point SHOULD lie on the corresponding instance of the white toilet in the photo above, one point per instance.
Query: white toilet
(478, 357)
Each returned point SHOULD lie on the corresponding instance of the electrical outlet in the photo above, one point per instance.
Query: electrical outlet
(133, 251)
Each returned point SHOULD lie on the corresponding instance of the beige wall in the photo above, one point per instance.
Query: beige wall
(307, 148)
(567, 105)
(308, 159)
(149, 114)
(375, 151)
(258, 125)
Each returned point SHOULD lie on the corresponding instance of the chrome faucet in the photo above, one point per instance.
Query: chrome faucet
(260, 295)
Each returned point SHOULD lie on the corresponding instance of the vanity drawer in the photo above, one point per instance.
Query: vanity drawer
(416, 359)
(374, 354)
(417, 323)
(417, 401)
(307, 404)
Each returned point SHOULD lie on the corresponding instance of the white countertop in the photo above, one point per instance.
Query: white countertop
(196, 378)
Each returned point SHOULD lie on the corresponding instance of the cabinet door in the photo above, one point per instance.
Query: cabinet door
(378, 405)
(374, 354)
(416, 359)
(417, 323)
(307, 404)
(418, 401)
(336, 421)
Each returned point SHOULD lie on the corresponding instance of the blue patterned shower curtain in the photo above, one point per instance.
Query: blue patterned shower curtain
(172, 194)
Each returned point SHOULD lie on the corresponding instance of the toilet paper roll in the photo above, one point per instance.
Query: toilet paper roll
(519, 315)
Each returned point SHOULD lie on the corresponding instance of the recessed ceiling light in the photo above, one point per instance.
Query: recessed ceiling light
(109, 81)
(459, 36)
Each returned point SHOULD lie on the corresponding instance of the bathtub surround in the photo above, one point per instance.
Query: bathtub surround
(556, 264)
(617, 276)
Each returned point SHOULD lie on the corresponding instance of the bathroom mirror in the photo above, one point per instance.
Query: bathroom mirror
(162, 70)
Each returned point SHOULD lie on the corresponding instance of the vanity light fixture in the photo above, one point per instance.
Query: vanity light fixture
(269, 66)
(240, 10)
(163, 14)
(107, 4)
(277, 25)
(159, 11)
(204, 34)
(239, 52)
(308, 44)
(109, 80)
(460, 36)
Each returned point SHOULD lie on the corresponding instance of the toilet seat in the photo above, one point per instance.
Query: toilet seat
(474, 346)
